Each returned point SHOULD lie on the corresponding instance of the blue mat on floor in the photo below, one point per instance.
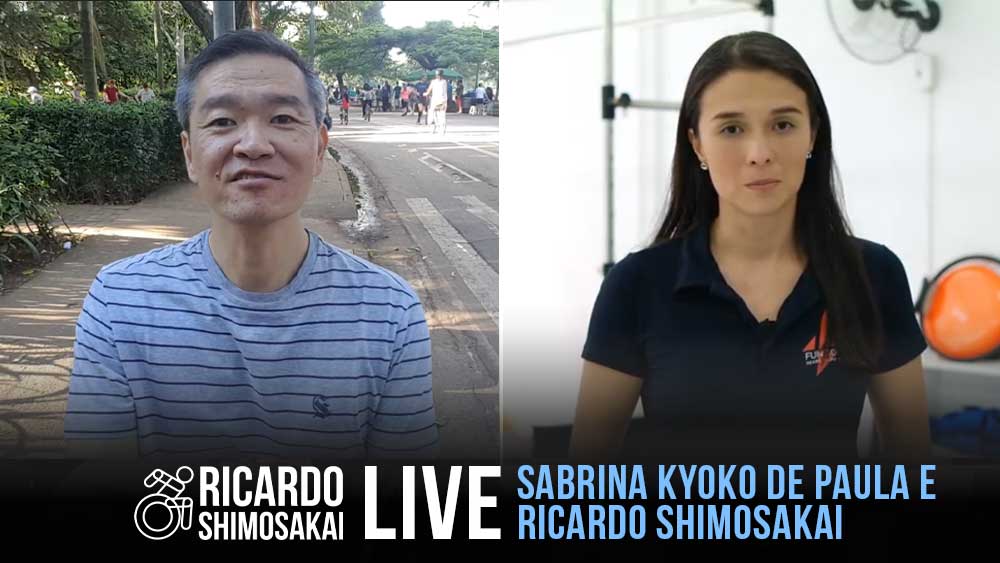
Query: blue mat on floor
(973, 431)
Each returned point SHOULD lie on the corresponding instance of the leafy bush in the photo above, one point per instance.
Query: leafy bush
(115, 153)
(28, 174)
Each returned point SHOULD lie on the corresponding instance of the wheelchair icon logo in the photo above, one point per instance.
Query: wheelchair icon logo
(165, 504)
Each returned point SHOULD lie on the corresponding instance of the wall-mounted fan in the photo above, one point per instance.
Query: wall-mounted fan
(882, 31)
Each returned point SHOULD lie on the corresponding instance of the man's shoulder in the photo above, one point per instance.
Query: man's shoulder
(169, 258)
(339, 264)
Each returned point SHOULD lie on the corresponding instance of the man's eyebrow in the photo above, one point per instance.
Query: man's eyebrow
(230, 100)
(775, 111)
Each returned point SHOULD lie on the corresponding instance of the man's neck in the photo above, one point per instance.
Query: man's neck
(259, 258)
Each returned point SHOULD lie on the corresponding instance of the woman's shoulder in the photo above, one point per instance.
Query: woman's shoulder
(884, 268)
(659, 261)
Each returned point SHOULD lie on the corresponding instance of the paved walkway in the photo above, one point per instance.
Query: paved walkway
(37, 320)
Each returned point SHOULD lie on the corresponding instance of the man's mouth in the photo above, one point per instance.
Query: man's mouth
(253, 176)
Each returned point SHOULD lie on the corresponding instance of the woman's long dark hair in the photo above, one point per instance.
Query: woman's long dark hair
(821, 230)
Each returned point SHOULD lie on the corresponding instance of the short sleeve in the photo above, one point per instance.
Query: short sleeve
(614, 335)
(903, 339)
(404, 424)
(100, 404)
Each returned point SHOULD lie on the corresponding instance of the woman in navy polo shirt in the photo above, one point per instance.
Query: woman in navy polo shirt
(755, 324)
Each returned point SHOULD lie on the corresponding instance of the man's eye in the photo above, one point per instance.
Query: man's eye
(283, 119)
(221, 122)
(731, 130)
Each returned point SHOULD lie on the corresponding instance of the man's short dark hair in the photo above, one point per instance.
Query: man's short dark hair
(244, 42)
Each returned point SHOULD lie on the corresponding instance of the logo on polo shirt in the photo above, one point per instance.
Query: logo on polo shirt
(817, 353)
(320, 408)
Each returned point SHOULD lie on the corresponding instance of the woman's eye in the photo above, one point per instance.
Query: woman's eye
(283, 119)
(784, 126)
(221, 122)
(731, 130)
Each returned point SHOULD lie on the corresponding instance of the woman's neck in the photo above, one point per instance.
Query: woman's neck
(762, 240)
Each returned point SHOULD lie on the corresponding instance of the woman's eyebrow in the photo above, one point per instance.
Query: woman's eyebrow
(738, 114)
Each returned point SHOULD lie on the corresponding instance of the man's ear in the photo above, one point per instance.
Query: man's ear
(695, 143)
(324, 140)
(186, 147)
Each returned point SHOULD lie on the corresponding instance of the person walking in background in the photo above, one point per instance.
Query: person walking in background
(145, 93)
(77, 93)
(489, 100)
(386, 93)
(404, 97)
(34, 97)
(396, 92)
(421, 106)
(372, 95)
(345, 104)
(366, 100)
(437, 94)
(479, 98)
(459, 90)
(112, 94)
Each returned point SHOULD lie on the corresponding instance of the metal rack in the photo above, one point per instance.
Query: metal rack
(609, 101)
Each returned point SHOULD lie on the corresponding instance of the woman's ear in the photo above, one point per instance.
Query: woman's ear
(695, 143)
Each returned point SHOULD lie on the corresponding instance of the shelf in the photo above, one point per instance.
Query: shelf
(935, 362)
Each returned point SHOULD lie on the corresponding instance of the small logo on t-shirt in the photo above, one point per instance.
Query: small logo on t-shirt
(817, 353)
(320, 408)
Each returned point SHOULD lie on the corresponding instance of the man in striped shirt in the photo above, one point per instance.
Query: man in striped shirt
(254, 339)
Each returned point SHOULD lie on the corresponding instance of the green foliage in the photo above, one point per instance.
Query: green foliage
(40, 44)
(442, 45)
(363, 50)
(108, 153)
(360, 52)
(27, 174)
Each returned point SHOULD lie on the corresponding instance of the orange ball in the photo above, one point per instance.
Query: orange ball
(962, 316)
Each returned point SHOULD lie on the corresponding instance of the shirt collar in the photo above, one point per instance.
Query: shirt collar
(699, 269)
(697, 264)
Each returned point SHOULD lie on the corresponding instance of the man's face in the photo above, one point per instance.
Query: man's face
(252, 144)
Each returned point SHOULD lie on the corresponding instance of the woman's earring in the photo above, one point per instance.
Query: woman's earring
(809, 155)
(704, 165)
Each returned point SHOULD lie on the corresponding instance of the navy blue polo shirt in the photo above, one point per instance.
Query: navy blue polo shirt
(716, 378)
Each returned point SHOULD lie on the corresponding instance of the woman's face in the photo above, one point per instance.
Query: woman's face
(754, 133)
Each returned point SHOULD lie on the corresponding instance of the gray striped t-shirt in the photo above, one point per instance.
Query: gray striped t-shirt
(335, 364)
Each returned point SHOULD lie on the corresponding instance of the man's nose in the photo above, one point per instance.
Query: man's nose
(254, 142)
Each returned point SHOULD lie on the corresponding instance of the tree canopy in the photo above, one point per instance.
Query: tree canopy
(41, 42)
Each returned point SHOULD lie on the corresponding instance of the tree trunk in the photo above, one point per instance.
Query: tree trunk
(181, 59)
(201, 17)
(157, 25)
(102, 67)
(312, 34)
(243, 16)
(86, 32)
(255, 15)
